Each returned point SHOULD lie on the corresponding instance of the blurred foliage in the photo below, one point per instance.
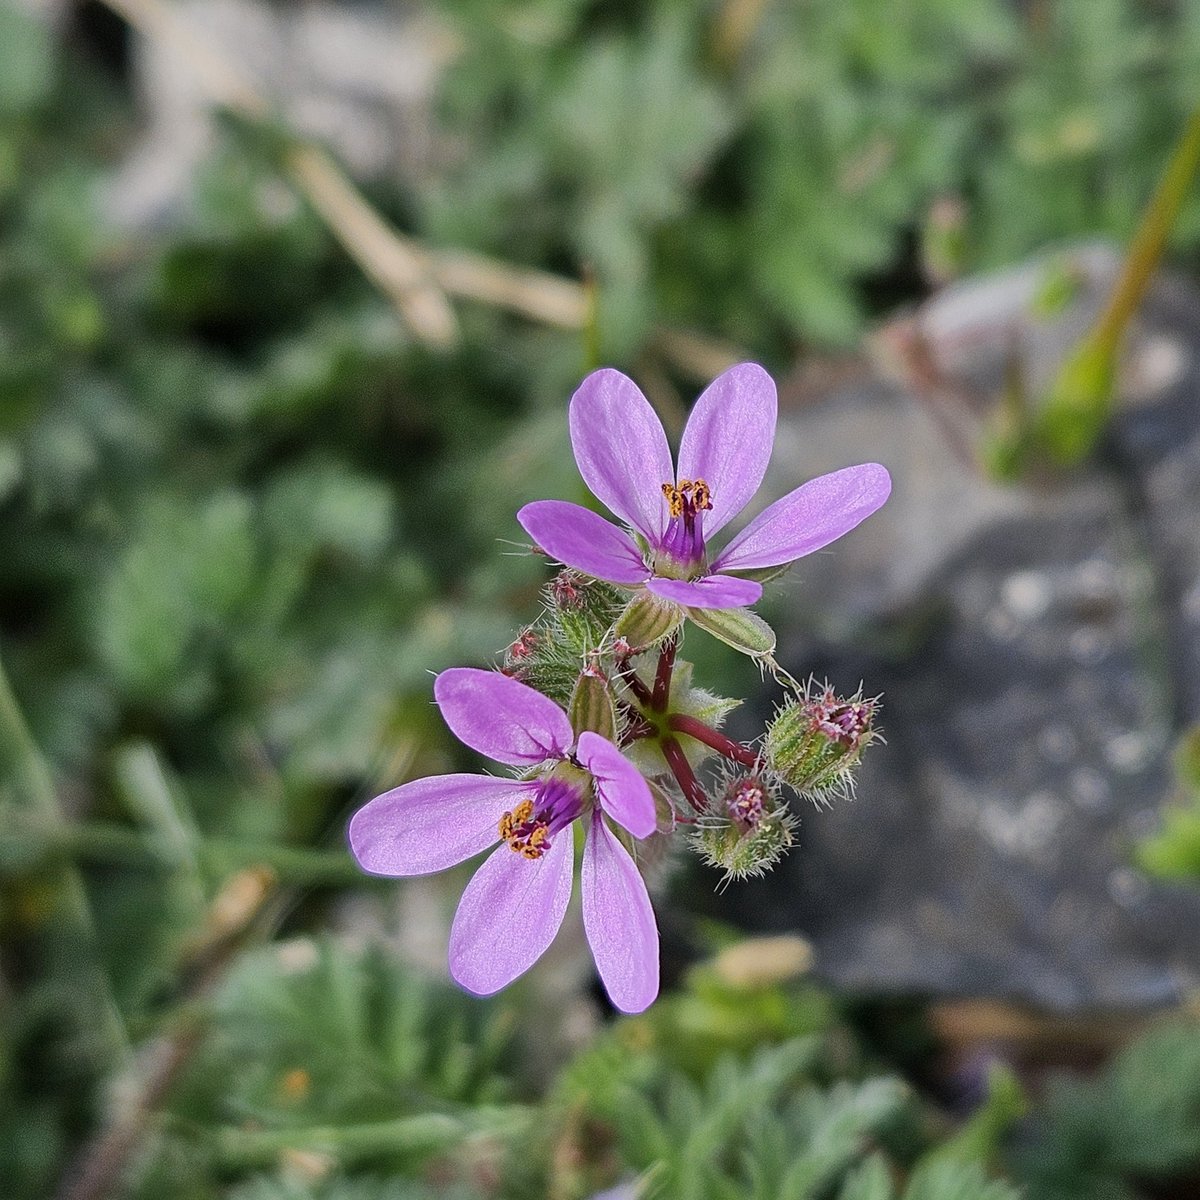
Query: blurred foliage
(765, 170)
(313, 1054)
(326, 1061)
(1133, 1130)
(243, 516)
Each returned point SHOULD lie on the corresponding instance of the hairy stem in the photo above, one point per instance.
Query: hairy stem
(662, 676)
(636, 726)
(726, 746)
(1148, 243)
(629, 677)
(686, 777)
(238, 1148)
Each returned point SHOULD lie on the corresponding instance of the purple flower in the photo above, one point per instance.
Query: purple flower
(624, 458)
(515, 902)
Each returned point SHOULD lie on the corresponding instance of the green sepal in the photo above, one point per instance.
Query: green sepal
(737, 627)
(686, 700)
(647, 620)
(664, 809)
(592, 706)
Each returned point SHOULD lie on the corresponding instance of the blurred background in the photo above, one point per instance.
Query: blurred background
(292, 300)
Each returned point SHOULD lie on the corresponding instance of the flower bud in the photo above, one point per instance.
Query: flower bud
(524, 647)
(592, 707)
(549, 654)
(749, 831)
(648, 620)
(740, 628)
(583, 609)
(539, 659)
(815, 741)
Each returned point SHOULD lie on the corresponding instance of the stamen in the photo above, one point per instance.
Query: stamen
(525, 835)
(512, 821)
(674, 497)
(529, 827)
(746, 802)
(682, 542)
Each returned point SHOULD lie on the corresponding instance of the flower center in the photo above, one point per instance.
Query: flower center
(529, 827)
(681, 552)
(746, 802)
(846, 722)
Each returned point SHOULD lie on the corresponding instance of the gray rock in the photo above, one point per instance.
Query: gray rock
(358, 77)
(1157, 442)
(1037, 647)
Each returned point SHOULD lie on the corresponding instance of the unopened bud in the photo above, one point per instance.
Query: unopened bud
(583, 608)
(566, 589)
(521, 649)
(540, 659)
(815, 741)
(648, 620)
(592, 706)
(752, 832)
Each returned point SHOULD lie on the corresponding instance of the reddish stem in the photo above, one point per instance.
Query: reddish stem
(637, 727)
(712, 737)
(682, 770)
(662, 677)
(629, 677)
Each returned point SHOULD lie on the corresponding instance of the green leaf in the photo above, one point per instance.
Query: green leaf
(10, 469)
(1187, 762)
(324, 506)
(1173, 852)
(979, 1140)
(183, 574)
(1077, 409)
(945, 1179)
(870, 1180)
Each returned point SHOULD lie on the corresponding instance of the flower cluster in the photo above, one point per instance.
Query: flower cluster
(597, 714)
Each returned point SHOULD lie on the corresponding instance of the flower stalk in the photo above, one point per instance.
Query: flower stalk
(662, 675)
(714, 739)
(684, 775)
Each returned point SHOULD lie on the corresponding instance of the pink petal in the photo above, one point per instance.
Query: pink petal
(619, 921)
(621, 450)
(727, 440)
(812, 516)
(713, 591)
(501, 717)
(431, 824)
(509, 914)
(583, 539)
(624, 794)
